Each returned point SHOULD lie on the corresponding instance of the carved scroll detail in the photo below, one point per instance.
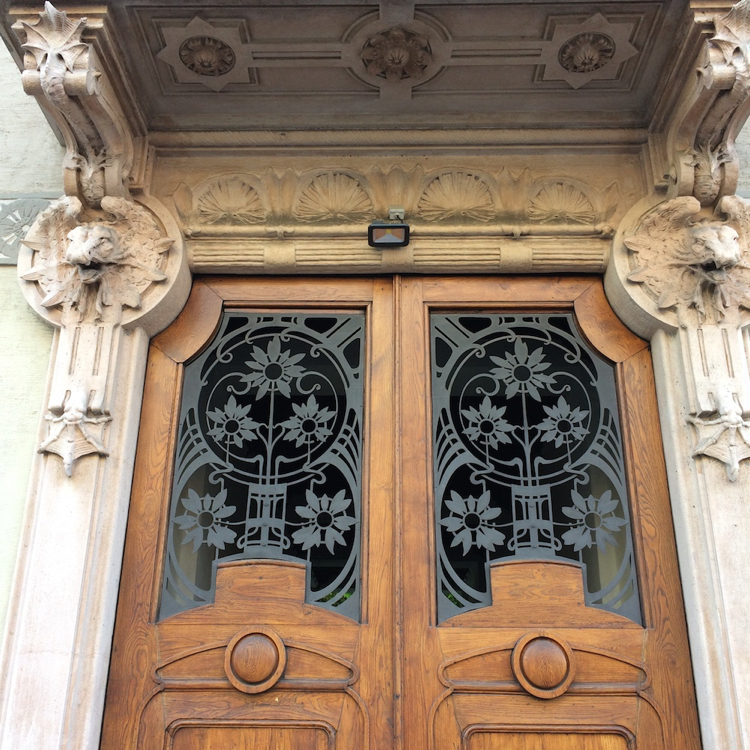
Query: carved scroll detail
(62, 71)
(713, 109)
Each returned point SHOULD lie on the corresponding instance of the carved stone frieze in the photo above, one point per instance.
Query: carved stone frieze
(333, 196)
(83, 269)
(62, 70)
(457, 195)
(515, 204)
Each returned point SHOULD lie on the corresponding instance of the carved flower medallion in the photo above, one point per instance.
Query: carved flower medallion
(397, 54)
(586, 52)
(207, 56)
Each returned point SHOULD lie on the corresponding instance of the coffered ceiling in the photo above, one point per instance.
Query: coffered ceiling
(338, 64)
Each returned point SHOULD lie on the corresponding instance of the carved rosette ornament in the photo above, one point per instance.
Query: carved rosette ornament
(396, 54)
(695, 267)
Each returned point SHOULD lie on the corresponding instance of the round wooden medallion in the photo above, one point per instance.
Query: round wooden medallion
(255, 660)
(543, 664)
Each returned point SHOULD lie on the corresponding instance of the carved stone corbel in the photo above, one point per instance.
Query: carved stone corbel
(89, 272)
(694, 269)
(713, 106)
(98, 263)
(65, 72)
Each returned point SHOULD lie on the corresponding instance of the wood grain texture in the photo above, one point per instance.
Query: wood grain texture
(195, 325)
(398, 681)
(545, 741)
(602, 328)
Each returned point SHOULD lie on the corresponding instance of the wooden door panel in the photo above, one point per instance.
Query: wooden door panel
(607, 670)
(485, 740)
(251, 738)
(258, 667)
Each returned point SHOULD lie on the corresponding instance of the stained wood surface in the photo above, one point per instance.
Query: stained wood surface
(397, 680)
(545, 741)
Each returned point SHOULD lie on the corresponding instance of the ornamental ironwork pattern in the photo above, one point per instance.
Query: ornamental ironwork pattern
(268, 461)
(528, 459)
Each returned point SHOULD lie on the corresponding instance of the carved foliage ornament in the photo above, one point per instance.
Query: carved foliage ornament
(106, 262)
(692, 264)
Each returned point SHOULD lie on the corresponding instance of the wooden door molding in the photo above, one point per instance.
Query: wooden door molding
(634, 679)
(259, 665)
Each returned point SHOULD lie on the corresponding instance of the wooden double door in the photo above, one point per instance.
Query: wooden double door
(471, 628)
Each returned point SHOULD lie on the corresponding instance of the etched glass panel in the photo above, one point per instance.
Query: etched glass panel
(528, 458)
(268, 461)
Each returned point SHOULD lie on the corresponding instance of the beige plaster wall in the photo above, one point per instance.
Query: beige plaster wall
(31, 165)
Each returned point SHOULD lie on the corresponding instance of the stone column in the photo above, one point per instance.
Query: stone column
(679, 277)
(105, 266)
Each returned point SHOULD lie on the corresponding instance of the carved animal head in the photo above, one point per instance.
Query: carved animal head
(715, 249)
(92, 250)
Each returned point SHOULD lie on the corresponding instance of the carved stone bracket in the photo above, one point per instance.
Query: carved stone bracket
(694, 270)
(91, 272)
(71, 66)
(713, 107)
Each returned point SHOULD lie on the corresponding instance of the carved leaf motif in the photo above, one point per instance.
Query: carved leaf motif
(55, 33)
(561, 201)
(230, 201)
(457, 195)
(334, 195)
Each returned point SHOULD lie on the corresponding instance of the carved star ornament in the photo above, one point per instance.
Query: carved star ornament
(694, 265)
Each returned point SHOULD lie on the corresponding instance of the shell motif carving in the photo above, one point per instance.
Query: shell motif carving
(334, 195)
(561, 201)
(459, 196)
(230, 200)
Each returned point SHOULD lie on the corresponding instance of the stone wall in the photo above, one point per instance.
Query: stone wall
(30, 168)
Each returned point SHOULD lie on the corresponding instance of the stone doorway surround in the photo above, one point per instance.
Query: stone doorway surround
(650, 204)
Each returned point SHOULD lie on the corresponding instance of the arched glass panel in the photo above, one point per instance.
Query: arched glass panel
(528, 459)
(268, 461)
